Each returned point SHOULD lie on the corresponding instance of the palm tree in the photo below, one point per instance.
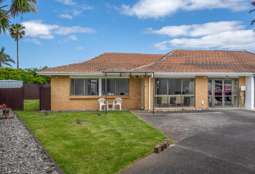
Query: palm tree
(4, 21)
(16, 7)
(17, 32)
(22, 6)
(253, 3)
(5, 59)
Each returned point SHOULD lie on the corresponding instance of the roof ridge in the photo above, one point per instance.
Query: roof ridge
(131, 53)
(160, 60)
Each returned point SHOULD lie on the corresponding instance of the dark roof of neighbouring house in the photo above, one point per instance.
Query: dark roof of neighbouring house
(174, 61)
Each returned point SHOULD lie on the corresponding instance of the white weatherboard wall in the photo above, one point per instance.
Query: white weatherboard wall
(249, 99)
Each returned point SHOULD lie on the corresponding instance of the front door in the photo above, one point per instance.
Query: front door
(223, 93)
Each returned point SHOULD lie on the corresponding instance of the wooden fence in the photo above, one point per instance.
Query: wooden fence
(31, 91)
(12, 97)
(45, 97)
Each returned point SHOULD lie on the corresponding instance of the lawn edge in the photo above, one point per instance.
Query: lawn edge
(58, 169)
(147, 154)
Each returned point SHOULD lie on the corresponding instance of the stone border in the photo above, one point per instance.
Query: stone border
(57, 168)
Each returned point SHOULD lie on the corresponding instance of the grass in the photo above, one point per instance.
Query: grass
(91, 142)
(31, 105)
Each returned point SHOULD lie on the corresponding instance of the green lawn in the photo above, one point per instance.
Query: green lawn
(31, 105)
(91, 142)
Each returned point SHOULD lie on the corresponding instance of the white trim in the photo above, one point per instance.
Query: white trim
(249, 96)
(100, 86)
(101, 74)
(97, 77)
(194, 74)
(156, 74)
(149, 93)
(71, 73)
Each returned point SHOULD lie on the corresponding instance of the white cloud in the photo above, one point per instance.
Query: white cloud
(76, 10)
(73, 37)
(71, 30)
(198, 29)
(239, 39)
(66, 2)
(38, 29)
(156, 8)
(212, 35)
(66, 16)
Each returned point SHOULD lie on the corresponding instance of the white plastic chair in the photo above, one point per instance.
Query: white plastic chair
(117, 102)
(102, 104)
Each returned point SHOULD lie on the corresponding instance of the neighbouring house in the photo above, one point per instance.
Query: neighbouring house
(180, 79)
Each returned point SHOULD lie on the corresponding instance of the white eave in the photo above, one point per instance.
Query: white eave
(156, 74)
(207, 74)
(45, 73)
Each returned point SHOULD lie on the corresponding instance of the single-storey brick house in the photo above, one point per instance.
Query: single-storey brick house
(181, 79)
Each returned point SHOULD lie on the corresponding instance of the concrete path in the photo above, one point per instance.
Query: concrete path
(206, 143)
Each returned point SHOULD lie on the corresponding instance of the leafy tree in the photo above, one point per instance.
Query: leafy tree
(16, 7)
(17, 32)
(27, 76)
(5, 59)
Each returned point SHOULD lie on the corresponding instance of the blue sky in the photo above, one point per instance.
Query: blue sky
(70, 31)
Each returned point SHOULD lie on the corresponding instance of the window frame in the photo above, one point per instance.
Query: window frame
(86, 84)
(115, 87)
(171, 96)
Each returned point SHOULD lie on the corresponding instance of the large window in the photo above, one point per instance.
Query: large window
(84, 87)
(175, 92)
(118, 87)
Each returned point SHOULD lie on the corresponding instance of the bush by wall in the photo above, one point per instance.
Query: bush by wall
(28, 76)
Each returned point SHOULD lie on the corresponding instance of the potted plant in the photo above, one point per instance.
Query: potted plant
(5, 111)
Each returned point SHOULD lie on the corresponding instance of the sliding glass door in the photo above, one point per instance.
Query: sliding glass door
(223, 92)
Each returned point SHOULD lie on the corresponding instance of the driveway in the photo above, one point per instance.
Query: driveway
(221, 142)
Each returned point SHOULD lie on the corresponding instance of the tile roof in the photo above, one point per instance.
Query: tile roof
(109, 62)
(204, 61)
(174, 61)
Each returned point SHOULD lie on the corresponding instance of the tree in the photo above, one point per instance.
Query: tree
(253, 3)
(16, 7)
(22, 6)
(4, 21)
(5, 59)
(17, 32)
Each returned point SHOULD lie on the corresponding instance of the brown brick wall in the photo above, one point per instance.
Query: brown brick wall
(201, 93)
(242, 82)
(61, 99)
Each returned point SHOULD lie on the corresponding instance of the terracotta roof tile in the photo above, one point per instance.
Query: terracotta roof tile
(204, 61)
(109, 62)
(174, 61)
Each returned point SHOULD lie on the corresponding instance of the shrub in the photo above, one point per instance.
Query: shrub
(26, 75)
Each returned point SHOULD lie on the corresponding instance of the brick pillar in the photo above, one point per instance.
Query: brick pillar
(148, 93)
(242, 82)
(201, 93)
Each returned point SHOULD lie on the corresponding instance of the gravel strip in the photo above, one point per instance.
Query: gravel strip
(19, 151)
